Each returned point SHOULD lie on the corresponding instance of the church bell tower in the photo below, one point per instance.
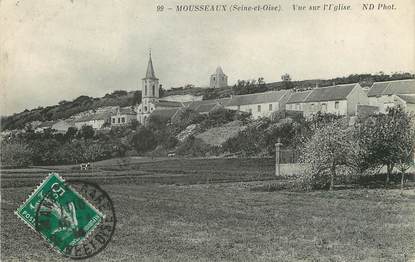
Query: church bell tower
(150, 93)
(150, 85)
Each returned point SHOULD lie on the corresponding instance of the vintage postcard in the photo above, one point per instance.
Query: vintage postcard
(207, 130)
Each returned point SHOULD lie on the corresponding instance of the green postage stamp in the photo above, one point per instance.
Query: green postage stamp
(59, 214)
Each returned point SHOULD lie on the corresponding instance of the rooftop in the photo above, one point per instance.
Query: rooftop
(205, 106)
(164, 113)
(407, 99)
(406, 86)
(126, 111)
(298, 97)
(258, 98)
(338, 92)
(165, 103)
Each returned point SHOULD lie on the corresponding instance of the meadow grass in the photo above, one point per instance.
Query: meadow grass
(232, 222)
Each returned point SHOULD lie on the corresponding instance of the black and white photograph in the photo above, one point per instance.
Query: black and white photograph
(207, 130)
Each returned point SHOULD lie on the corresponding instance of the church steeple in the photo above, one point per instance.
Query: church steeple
(150, 70)
(150, 87)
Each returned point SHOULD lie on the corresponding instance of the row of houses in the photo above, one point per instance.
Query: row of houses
(347, 100)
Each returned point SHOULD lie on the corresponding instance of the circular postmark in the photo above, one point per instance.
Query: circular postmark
(77, 218)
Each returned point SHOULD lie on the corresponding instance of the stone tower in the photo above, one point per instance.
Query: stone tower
(218, 79)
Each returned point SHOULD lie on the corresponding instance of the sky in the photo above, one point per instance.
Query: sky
(58, 50)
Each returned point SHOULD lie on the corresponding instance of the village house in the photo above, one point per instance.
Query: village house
(96, 120)
(338, 99)
(183, 98)
(392, 93)
(407, 102)
(296, 101)
(260, 104)
(59, 126)
(123, 116)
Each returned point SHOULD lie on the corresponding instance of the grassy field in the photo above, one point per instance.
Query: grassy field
(138, 171)
(229, 221)
(232, 222)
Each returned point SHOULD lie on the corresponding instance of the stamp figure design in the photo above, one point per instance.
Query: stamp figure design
(64, 217)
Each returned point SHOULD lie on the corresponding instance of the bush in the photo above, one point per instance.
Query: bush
(193, 147)
(249, 142)
(219, 117)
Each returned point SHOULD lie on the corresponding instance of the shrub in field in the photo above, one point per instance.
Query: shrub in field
(15, 154)
(387, 140)
(326, 154)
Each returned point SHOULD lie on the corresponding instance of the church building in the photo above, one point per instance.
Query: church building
(218, 79)
(150, 93)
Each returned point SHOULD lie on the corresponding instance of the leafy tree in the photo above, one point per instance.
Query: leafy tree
(286, 81)
(284, 133)
(163, 132)
(388, 140)
(71, 133)
(406, 160)
(326, 150)
(136, 98)
(144, 140)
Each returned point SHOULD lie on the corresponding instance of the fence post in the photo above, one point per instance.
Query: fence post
(277, 157)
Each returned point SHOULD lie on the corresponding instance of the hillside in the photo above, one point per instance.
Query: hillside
(65, 109)
(218, 135)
